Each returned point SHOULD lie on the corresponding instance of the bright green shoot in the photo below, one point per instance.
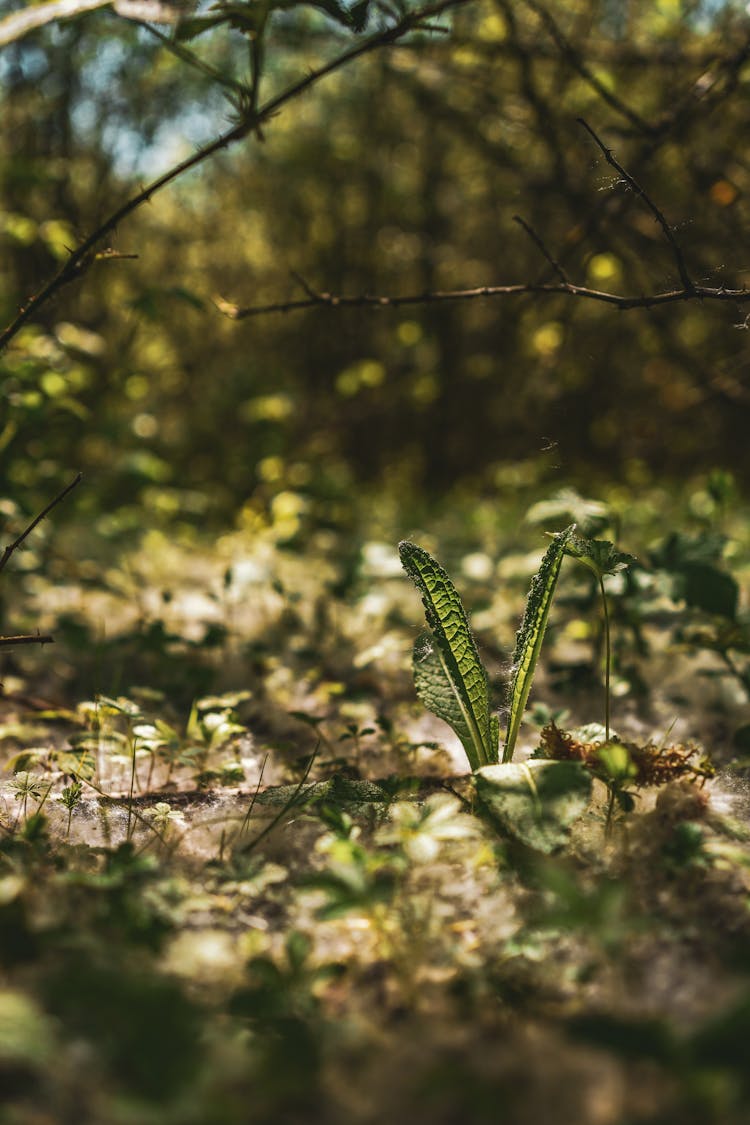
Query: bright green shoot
(531, 634)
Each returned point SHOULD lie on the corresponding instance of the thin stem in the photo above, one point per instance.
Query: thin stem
(742, 677)
(249, 813)
(136, 815)
(607, 657)
(552, 262)
(189, 57)
(610, 810)
(132, 788)
(44, 799)
(283, 811)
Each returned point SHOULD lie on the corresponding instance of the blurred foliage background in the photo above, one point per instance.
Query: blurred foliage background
(400, 174)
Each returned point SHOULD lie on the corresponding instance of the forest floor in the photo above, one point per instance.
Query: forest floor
(246, 877)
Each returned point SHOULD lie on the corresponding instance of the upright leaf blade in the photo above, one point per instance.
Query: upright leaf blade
(435, 688)
(531, 634)
(448, 673)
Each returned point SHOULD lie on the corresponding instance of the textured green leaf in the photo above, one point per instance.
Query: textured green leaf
(531, 634)
(599, 555)
(435, 689)
(448, 673)
(536, 801)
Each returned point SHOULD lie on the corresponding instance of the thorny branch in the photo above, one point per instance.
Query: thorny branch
(250, 121)
(689, 290)
(335, 301)
(27, 639)
(642, 194)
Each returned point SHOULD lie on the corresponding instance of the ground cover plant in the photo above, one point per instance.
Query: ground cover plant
(289, 900)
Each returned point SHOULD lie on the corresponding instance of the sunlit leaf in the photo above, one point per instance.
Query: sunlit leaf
(531, 634)
(448, 673)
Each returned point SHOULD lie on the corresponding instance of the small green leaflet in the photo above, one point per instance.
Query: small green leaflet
(531, 634)
(449, 676)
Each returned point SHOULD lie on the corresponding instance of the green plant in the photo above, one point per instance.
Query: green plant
(622, 765)
(449, 676)
(70, 798)
(535, 802)
(356, 880)
(27, 785)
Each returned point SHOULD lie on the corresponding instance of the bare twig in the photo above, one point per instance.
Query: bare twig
(543, 249)
(82, 257)
(6, 555)
(365, 300)
(27, 639)
(643, 194)
(312, 294)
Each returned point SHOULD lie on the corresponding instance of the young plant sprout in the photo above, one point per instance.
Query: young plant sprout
(449, 676)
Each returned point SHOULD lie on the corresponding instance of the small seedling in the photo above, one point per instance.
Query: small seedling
(70, 798)
(165, 819)
(27, 785)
